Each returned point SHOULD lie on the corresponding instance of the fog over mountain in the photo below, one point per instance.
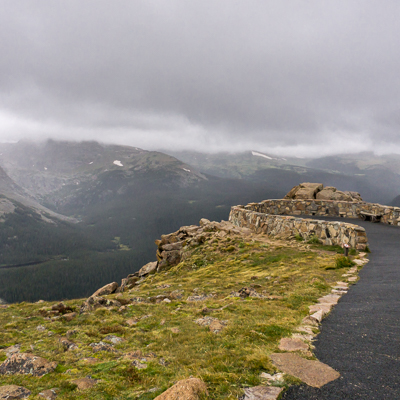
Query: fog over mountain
(292, 78)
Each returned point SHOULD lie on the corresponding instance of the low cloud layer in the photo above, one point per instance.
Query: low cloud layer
(293, 77)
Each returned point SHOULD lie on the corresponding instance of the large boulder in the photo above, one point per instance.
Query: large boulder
(188, 389)
(149, 268)
(105, 290)
(304, 191)
(326, 193)
(23, 363)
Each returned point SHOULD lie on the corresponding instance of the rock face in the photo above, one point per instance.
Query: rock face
(22, 363)
(313, 373)
(11, 392)
(188, 389)
(308, 191)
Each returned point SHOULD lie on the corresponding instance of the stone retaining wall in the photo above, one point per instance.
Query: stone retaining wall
(347, 209)
(328, 232)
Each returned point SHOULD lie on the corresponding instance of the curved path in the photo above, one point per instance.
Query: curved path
(360, 338)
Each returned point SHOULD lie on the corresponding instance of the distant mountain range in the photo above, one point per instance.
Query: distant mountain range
(85, 214)
(377, 178)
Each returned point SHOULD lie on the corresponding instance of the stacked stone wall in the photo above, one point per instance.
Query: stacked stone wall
(347, 209)
(328, 232)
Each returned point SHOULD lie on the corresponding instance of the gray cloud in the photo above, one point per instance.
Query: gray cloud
(294, 76)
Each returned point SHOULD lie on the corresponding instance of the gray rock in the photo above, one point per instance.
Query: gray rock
(261, 393)
(50, 394)
(23, 363)
(149, 268)
(105, 290)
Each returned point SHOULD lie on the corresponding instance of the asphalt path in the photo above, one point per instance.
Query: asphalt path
(360, 338)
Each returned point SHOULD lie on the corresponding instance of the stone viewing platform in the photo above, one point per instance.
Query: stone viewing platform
(328, 232)
(277, 217)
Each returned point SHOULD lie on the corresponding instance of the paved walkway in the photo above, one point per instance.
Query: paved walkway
(361, 336)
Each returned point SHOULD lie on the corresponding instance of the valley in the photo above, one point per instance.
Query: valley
(84, 214)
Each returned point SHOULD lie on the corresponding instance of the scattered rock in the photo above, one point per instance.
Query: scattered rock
(67, 344)
(200, 297)
(114, 339)
(69, 316)
(188, 389)
(85, 383)
(261, 393)
(139, 365)
(16, 348)
(61, 308)
(95, 302)
(132, 321)
(158, 299)
(50, 394)
(128, 283)
(101, 346)
(11, 392)
(215, 324)
(71, 332)
(247, 292)
(24, 363)
(175, 330)
(106, 290)
(290, 344)
(313, 373)
(272, 378)
(40, 328)
(91, 360)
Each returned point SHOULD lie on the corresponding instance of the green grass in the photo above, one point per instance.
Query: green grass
(292, 276)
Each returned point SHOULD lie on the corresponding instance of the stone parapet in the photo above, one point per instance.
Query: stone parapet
(328, 232)
(330, 208)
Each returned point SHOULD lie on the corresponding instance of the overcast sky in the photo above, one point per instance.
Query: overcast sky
(295, 77)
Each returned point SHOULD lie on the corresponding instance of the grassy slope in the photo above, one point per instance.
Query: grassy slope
(291, 273)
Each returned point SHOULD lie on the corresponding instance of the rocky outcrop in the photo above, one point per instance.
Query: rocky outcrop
(22, 363)
(172, 246)
(309, 191)
(188, 389)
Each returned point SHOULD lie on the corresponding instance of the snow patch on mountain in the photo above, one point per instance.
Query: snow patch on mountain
(255, 153)
(117, 162)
